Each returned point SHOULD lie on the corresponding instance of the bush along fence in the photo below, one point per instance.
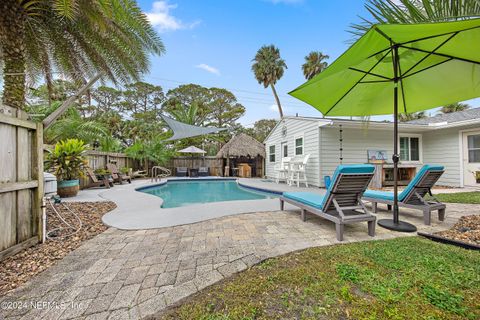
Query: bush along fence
(21, 181)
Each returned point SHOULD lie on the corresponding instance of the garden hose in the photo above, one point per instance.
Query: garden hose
(56, 200)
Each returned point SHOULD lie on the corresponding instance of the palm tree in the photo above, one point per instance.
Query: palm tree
(268, 68)
(454, 107)
(186, 115)
(73, 125)
(314, 64)
(404, 117)
(77, 39)
(415, 11)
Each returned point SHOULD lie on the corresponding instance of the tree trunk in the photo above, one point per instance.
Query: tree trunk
(278, 101)
(12, 35)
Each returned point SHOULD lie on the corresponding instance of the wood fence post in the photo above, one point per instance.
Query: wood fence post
(38, 169)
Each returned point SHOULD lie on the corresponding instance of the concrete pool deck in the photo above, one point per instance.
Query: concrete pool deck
(138, 210)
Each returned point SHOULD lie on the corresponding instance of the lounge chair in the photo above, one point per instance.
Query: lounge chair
(181, 171)
(94, 182)
(203, 171)
(342, 203)
(117, 175)
(414, 194)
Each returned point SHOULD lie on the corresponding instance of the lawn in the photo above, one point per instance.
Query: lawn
(460, 197)
(403, 278)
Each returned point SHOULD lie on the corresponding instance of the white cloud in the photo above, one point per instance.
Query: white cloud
(208, 68)
(160, 17)
(273, 108)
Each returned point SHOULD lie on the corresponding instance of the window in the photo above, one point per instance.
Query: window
(298, 146)
(409, 148)
(284, 149)
(474, 148)
(271, 153)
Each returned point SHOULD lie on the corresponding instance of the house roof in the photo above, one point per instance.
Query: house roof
(469, 114)
(441, 121)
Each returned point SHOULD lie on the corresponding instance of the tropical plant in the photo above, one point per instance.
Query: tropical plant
(78, 39)
(110, 144)
(415, 11)
(73, 125)
(314, 64)
(186, 115)
(67, 159)
(404, 117)
(154, 150)
(268, 67)
(455, 107)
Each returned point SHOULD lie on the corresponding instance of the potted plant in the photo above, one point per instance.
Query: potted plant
(67, 161)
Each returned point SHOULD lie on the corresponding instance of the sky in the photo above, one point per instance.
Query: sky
(212, 43)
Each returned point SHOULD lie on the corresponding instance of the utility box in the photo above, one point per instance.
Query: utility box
(50, 184)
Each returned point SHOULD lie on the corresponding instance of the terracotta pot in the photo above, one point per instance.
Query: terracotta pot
(68, 188)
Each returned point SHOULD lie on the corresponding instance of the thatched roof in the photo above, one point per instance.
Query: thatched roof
(242, 145)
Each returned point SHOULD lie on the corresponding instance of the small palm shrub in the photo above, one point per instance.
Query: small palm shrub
(67, 160)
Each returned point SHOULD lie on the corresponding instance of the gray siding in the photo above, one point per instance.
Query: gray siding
(296, 127)
(443, 147)
(356, 142)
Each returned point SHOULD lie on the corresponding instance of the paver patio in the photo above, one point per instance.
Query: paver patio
(132, 274)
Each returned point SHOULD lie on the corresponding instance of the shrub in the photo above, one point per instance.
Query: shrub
(67, 160)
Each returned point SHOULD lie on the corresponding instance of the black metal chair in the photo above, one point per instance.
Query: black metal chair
(181, 171)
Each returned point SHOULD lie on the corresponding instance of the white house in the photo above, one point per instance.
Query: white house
(451, 140)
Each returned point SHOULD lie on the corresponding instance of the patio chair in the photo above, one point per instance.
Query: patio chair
(298, 171)
(93, 181)
(342, 203)
(414, 194)
(203, 171)
(281, 170)
(117, 175)
(181, 171)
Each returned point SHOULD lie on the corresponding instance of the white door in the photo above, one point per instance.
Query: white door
(471, 158)
(284, 149)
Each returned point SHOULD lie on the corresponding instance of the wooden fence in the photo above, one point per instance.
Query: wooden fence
(21, 181)
(215, 164)
(99, 160)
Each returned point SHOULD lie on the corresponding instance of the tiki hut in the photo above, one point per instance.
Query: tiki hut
(243, 156)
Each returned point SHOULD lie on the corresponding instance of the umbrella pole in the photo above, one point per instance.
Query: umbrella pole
(395, 224)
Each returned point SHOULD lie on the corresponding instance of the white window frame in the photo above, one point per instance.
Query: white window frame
(420, 147)
(270, 153)
(295, 145)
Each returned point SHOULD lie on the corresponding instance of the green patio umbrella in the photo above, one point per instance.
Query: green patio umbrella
(400, 68)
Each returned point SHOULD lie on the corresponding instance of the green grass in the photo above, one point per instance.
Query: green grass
(460, 197)
(404, 278)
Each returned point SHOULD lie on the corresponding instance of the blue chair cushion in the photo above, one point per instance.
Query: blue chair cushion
(347, 168)
(385, 195)
(311, 199)
(318, 201)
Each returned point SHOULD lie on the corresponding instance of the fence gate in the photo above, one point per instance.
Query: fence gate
(21, 181)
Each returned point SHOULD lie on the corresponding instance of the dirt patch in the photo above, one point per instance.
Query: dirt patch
(19, 268)
(467, 229)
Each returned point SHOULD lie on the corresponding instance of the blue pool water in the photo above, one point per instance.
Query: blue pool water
(184, 193)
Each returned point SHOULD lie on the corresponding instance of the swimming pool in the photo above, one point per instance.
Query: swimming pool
(179, 193)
